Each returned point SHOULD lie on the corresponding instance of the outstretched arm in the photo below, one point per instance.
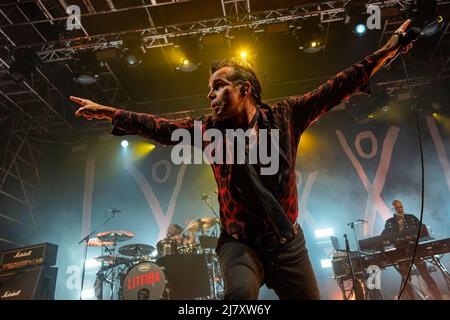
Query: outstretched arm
(132, 123)
(307, 108)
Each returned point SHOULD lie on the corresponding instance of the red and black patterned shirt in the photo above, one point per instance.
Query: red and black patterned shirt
(291, 116)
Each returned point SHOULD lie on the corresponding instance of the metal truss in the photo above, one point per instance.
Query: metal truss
(236, 15)
(19, 174)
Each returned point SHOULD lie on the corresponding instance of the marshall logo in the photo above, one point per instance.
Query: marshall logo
(10, 294)
(21, 254)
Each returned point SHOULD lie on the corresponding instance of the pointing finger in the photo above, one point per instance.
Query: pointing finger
(404, 25)
(80, 101)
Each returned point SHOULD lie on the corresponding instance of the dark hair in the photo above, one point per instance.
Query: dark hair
(177, 227)
(243, 71)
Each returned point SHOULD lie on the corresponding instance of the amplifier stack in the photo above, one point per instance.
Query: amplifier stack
(27, 273)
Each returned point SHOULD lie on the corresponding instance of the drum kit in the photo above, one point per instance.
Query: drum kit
(143, 272)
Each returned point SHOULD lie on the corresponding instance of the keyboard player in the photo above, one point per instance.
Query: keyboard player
(403, 223)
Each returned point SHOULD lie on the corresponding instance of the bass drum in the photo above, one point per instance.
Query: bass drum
(144, 281)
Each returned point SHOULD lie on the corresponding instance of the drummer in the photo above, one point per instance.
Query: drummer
(174, 232)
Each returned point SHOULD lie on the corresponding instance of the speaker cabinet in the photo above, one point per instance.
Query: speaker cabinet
(37, 283)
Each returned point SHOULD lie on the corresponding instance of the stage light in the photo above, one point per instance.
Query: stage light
(325, 263)
(425, 15)
(386, 110)
(243, 55)
(124, 144)
(24, 64)
(92, 263)
(310, 36)
(186, 65)
(323, 233)
(86, 68)
(133, 57)
(356, 16)
(360, 29)
(371, 116)
(435, 115)
(87, 294)
(133, 50)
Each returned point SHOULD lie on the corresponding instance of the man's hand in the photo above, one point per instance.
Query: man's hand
(393, 43)
(390, 49)
(91, 110)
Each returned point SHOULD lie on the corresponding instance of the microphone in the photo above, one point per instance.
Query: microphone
(414, 33)
(114, 210)
(411, 35)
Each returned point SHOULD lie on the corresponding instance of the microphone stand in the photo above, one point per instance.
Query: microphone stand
(355, 287)
(208, 204)
(352, 226)
(86, 239)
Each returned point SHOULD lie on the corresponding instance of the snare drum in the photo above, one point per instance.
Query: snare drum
(166, 247)
(144, 281)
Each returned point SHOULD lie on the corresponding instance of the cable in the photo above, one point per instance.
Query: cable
(419, 137)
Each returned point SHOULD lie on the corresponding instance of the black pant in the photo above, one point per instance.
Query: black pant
(288, 270)
(421, 267)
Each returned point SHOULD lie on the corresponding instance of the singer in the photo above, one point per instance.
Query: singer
(260, 241)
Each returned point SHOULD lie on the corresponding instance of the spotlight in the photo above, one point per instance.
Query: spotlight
(325, 263)
(186, 53)
(371, 116)
(92, 263)
(323, 233)
(124, 144)
(185, 65)
(425, 16)
(243, 55)
(133, 50)
(360, 29)
(133, 57)
(86, 69)
(356, 16)
(24, 64)
(435, 115)
(310, 37)
(386, 110)
(87, 294)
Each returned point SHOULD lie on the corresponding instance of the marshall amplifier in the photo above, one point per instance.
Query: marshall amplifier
(36, 283)
(41, 254)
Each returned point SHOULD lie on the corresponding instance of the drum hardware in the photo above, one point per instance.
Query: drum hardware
(166, 247)
(86, 240)
(115, 236)
(111, 261)
(132, 272)
(95, 242)
(201, 225)
(136, 250)
(206, 198)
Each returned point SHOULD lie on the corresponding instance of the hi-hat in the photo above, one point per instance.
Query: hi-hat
(136, 249)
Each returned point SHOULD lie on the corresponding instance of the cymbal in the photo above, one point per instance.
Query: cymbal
(136, 249)
(115, 236)
(95, 242)
(109, 259)
(202, 224)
